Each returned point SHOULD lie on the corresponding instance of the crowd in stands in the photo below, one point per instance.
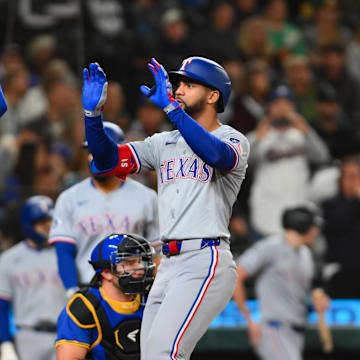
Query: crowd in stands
(295, 71)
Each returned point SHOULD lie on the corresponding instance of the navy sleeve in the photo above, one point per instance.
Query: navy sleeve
(3, 105)
(208, 147)
(4, 321)
(66, 263)
(103, 149)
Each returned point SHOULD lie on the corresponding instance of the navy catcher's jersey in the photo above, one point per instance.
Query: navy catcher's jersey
(71, 331)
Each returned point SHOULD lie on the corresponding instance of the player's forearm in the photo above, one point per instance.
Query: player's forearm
(208, 147)
(239, 297)
(103, 149)
(5, 334)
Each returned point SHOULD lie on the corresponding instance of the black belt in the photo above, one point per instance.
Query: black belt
(41, 327)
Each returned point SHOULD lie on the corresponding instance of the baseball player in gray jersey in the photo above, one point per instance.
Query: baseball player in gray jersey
(200, 168)
(94, 208)
(285, 270)
(30, 283)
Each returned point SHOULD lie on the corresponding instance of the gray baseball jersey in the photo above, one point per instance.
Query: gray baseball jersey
(29, 279)
(84, 215)
(195, 201)
(284, 278)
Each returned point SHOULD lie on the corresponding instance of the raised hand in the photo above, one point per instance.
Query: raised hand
(161, 93)
(94, 90)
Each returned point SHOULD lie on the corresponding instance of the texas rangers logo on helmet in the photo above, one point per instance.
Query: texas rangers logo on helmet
(185, 63)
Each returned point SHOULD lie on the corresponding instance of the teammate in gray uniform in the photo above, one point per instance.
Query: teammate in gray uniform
(200, 168)
(30, 283)
(94, 208)
(285, 270)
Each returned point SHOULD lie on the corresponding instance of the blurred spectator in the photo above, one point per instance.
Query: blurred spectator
(10, 58)
(300, 79)
(326, 30)
(282, 148)
(245, 9)
(284, 37)
(32, 158)
(250, 105)
(333, 127)
(58, 122)
(334, 73)
(216, 41)
(150, 120)
(35, 101)
(41, 51)
(15, 87)
(342, 231)
(324, 183)
(145, 19)
(114, 108)
(236, 72)
(79, 169)
(252, 40)
(353, 56)
(175, 43)
(59, 161)
(47, 182)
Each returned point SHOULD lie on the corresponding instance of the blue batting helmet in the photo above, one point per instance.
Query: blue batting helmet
(207, 72)
(114, 131)
(35, 209)
(115, 249)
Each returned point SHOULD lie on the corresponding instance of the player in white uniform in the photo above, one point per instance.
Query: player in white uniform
(94, 208)
(200, 169)
(284, 267)
(30, 283)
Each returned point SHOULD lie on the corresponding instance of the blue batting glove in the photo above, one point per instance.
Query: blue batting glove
(161, 93)
(94, 90)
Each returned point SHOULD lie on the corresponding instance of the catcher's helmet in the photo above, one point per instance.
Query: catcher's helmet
(113, 251)
(207, 72)
(301, 219)
(35, 209)
(114, 131)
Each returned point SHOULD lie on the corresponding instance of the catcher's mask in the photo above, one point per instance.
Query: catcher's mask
(129, 259)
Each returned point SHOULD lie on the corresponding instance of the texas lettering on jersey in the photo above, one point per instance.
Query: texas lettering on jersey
(184, 167)
(108, 222)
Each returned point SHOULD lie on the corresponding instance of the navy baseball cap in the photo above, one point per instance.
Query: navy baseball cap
(280, 92)
(113, 131)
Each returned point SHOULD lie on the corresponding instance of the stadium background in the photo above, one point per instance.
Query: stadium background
(311, 46)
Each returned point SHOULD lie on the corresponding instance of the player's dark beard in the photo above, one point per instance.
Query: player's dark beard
(101, 178)
(196, 108)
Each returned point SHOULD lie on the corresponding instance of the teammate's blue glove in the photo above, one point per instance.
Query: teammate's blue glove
(161, 93)
(3, 105)
(94, 90)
